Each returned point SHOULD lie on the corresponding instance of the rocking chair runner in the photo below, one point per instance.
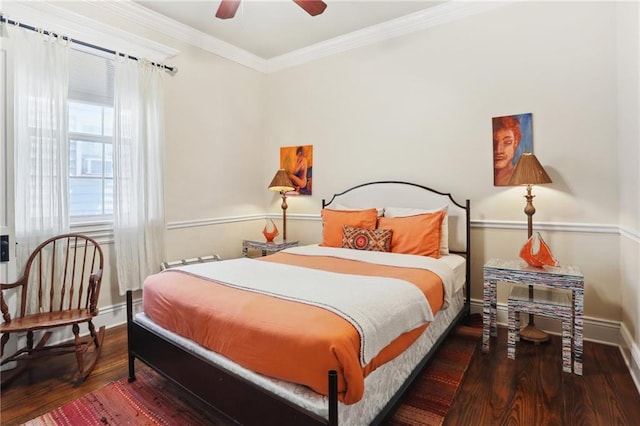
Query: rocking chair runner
(67, 270)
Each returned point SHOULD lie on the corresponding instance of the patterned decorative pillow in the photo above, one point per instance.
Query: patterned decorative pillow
(366, 239)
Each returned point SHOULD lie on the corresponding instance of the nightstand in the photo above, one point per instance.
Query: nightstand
(562, 277)
(265, 247)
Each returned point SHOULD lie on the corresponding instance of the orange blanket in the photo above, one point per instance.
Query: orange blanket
(279, 338)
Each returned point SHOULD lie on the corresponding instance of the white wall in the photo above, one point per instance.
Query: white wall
(419, 108)
(629, 171)
(214, 155)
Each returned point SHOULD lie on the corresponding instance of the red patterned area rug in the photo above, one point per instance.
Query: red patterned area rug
(154, 400)
(428, 399)
(149, 400)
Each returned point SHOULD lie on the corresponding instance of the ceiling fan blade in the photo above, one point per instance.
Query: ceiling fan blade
(313, 7)
(227, 9)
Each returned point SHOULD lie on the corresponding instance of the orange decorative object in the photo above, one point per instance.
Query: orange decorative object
(537, 253)
(270, 231)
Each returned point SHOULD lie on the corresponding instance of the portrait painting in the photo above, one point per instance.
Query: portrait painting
(512, 135)
(298, 162)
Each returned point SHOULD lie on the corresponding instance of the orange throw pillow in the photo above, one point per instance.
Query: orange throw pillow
(334, 220)
(420, 234)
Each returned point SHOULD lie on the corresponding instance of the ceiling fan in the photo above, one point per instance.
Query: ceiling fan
(228, 8)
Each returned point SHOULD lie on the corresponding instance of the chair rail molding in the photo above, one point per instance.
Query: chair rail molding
(549, 226)
(477, 224)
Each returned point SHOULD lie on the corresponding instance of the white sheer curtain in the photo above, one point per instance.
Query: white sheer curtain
(138, 147)
(41, 80)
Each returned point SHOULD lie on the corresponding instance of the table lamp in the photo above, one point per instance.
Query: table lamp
(530, 172)
(281, 183)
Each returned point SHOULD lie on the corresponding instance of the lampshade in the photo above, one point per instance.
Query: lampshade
(529, 171)
(281, 182)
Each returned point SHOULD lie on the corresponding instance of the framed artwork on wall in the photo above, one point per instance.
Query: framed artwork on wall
(512, 135)
(298, 162)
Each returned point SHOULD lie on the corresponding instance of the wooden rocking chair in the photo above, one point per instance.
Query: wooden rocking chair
(67, 270)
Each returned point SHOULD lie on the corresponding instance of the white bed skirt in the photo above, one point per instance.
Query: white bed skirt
(380, 385)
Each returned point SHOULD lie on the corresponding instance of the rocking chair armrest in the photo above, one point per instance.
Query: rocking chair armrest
(6, 316)
(94, 289)
(21, 281)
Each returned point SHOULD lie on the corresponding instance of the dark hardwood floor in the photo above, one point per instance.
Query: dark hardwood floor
(532, 390)
(50, 384)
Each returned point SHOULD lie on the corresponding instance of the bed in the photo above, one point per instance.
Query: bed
(340, 394)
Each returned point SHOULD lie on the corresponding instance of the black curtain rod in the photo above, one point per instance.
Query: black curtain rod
(170, 70)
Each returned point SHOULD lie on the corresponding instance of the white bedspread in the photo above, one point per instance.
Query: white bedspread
(437, 266)
(379, 308)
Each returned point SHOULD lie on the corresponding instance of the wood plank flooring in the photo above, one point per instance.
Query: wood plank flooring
(532, 390)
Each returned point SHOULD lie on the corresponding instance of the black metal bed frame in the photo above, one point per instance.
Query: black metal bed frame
(245, 402)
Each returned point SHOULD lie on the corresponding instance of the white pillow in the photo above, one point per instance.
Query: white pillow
(339, 206)
(404, 212)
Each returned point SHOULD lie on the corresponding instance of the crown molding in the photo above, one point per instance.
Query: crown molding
(152, 20)
(431, 17)
(437, 15)
(52, 17)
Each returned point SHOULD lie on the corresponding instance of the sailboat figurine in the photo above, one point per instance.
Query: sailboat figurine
(270, 230)
(537, 253)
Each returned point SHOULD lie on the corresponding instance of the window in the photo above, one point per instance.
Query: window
(90, 160)
(90, 136)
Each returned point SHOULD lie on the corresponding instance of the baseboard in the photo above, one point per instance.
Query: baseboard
(115, 315)
(595, 330)
(631, 354)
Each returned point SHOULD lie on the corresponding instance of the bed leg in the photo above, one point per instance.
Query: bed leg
(333, 398)
(132, 371)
